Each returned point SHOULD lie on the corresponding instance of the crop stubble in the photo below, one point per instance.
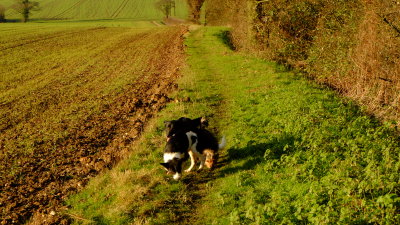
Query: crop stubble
(70, 103)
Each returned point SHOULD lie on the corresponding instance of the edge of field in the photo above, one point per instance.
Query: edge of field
(55, 10)
(47, 177)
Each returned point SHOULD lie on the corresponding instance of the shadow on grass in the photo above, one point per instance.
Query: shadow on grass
(66, 20)
(10, 21)
(100, 220)
(256, 153)
(233, 160)
(35, 20)
(226, 37)
(182, 202)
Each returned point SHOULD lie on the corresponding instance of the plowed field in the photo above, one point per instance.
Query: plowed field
(71, 99)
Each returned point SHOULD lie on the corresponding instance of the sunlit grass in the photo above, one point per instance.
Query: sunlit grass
(297, 153)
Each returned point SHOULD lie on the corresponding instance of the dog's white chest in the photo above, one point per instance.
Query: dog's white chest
(171, 155)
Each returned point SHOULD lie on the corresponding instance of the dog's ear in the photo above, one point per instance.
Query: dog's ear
(203, 122)
(165, 165)
(166, 123)
(196, 123)
(184, 119)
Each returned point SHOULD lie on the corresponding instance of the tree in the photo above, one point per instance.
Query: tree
(2, 14)
(165, 6)
(24, 7)
(195, 9)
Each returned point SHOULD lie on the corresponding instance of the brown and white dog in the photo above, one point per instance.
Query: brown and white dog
(205, 149)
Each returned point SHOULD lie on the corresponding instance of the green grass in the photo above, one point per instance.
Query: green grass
(97, 9)
(296, 154)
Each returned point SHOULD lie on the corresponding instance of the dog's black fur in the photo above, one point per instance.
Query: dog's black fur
(207, 145)
(206, 140)
(179, 145)
(184, 124)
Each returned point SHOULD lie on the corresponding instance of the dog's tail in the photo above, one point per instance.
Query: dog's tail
(222, 143)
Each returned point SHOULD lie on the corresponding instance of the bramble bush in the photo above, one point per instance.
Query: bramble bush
(351, 46)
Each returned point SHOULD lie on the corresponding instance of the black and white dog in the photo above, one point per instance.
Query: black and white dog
(184, 124)
(187, 137)
(177, 150)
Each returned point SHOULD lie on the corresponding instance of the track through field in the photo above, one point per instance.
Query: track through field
(74, 6)
(119, 9)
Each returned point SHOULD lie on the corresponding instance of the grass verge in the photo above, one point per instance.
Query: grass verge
(296, 153)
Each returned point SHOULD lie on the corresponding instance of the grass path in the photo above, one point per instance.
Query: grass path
(296, 153)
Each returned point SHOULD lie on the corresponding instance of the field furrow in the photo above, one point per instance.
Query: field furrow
(71, 103)
(30, 40)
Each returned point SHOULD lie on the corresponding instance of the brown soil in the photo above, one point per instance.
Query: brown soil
(171, 21)
(53, 171)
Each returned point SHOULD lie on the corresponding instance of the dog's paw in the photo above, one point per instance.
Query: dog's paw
(188, 170)
(177, 176)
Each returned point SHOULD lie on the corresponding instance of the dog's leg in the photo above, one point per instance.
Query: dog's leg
(202, 161)
(177, 176)
(192, 161)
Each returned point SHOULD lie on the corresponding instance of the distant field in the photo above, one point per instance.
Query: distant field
(97, 9)
(71, 96)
